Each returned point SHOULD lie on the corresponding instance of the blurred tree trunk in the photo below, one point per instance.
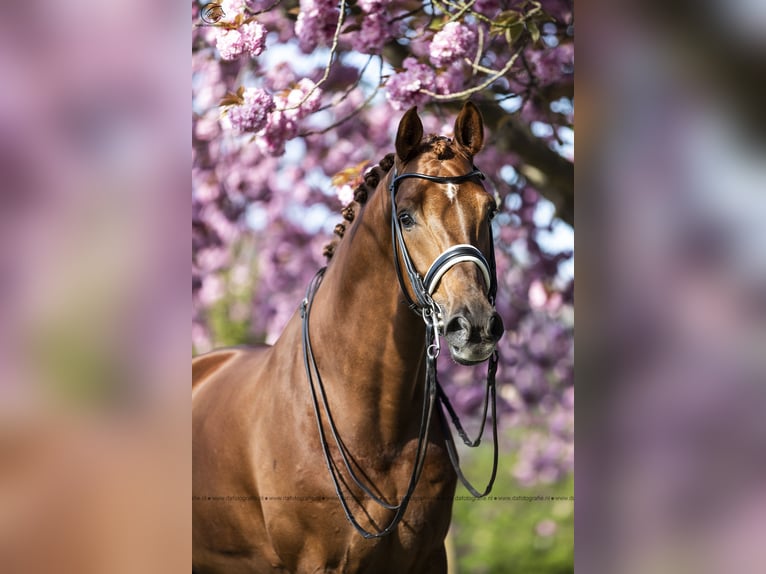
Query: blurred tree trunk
(545, 169)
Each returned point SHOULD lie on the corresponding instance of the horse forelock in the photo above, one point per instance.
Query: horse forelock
(440, 146)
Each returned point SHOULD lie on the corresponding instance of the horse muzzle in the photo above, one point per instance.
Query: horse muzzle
(473, 335)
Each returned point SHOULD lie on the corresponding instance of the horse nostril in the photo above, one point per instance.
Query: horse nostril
(458, 328)
(496, 327)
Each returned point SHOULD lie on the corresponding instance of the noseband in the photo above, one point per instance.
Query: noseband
(424, 306)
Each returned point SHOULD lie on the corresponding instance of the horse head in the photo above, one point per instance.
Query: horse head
(443, 217)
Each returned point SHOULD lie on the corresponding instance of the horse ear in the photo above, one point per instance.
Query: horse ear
(469, 129)
(409, 134)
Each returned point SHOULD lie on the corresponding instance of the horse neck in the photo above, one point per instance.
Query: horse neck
(369, 344)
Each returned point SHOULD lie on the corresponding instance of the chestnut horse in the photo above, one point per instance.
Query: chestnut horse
(362, 373)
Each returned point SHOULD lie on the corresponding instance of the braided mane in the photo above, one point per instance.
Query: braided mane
(442, 147)
(361, 193)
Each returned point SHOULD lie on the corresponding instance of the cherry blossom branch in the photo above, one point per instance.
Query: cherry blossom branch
(350, 89)
(479, 67)
(480, 87)
(479, 50)
(333, 52)
(356, 111)
(463, 10)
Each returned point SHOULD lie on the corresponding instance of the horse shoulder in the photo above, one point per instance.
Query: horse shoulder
(203, 366)
(207, 365)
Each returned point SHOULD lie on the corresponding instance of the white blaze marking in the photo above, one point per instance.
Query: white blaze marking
(451, 191)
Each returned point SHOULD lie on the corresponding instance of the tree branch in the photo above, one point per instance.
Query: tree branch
(333, 51)
(551, 174)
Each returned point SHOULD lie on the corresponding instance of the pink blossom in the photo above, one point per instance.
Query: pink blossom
(279, 77)
(451, 43)
(375, 30)
(232, 43)
(231, 8)
(212, 290)
(296, 96)
(450, 80)
(370, 6)
(279, 129)
(218, 222)
(252, 114)
(316, 23)
(404, 89)
(548, 66)
(229, 43)
(282, 123)
(254, 38)
(206, 190)
(212, 258)
(206, 127)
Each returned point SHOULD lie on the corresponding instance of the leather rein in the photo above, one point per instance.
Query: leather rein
(429, 311)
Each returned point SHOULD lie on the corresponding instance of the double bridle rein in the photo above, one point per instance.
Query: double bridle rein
(429, 311)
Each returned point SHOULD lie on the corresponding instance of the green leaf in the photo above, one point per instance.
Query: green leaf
(506, 18)
(534, 31)
(514, 32)
(437, 24)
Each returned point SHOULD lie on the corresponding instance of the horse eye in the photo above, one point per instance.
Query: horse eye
(492, 213)
(406, 220)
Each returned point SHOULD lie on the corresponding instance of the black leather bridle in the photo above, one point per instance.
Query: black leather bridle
(425, 306)
(424, 287)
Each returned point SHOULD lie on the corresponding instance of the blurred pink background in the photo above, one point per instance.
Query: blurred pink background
(671, 362)
(94, 297)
